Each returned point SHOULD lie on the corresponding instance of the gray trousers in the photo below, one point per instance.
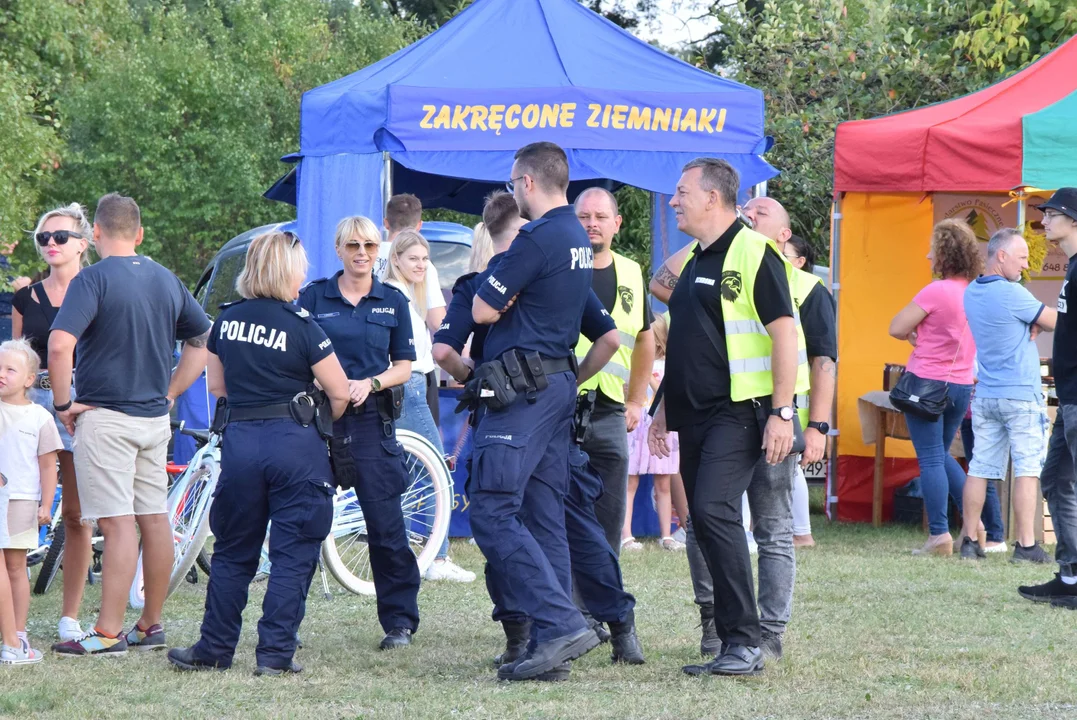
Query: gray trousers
(770, 497)
(606, 444)
(1058, 483)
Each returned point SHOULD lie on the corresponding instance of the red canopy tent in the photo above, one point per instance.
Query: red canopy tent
(1021, 132)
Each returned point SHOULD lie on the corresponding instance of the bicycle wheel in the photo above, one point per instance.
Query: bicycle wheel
(54, 558)
(204, 560)
(427, 504)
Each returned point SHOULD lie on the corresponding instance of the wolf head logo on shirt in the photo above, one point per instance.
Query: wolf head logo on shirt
(628, 298)
(732, 284)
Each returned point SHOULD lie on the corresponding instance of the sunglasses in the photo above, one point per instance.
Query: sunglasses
(371, 248)
(293, 237)
(60, 236)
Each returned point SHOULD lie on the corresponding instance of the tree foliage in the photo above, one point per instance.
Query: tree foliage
(822, 62)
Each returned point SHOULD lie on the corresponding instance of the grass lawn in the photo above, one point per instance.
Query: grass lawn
(876, 633)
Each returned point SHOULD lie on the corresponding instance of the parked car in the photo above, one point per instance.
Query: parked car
(450, 250)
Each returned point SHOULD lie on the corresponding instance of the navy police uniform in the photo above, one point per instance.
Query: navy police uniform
(368, 337)
(593, 563)
(272, 470)
(520, 461)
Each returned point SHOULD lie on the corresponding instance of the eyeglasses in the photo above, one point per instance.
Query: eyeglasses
(369, 247)
(511, 184)
(293, 237)
(60, 236)
(791, 258)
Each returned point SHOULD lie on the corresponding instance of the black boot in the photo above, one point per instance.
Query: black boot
(625, 643)
(517, 635)
(709, 644)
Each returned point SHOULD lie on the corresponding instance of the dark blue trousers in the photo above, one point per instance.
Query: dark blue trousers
(521, 471)
(596, 571)
(271, 470)
(383, 479)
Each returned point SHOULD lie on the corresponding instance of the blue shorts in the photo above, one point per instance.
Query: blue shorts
(43, 397)
(1005, 429)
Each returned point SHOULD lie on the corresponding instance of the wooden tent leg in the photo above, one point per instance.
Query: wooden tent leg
(880, 464)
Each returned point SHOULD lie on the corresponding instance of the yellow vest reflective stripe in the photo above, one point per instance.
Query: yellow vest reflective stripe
(628, 316)
(803, 283)
(747, 342)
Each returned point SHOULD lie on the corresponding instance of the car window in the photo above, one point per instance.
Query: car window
(222, 288)
(451, 260)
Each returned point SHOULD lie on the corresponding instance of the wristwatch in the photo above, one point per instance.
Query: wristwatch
(822, 427)
(62, 408)
(785, 412)
(375, 384)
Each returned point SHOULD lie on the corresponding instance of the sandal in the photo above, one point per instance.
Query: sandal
(630, 543)
(671, 543)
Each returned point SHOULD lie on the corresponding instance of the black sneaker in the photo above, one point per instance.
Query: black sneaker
(971, 550)
(1034, 554)
(771, 645)
(1050, 592)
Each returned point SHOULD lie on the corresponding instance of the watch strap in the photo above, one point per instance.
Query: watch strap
(62, 408)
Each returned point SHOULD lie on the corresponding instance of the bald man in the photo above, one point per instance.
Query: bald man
(770, 494)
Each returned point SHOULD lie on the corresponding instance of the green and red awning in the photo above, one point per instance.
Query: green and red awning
(1021, 131)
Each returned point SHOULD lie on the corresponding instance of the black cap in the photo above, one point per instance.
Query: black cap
(1064, 200)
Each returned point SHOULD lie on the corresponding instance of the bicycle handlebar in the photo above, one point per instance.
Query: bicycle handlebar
(201, 435)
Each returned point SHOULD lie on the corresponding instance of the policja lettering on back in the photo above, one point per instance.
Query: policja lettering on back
(257, 334)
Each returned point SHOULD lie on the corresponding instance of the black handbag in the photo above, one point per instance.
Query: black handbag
(923, 398)
(762, 406)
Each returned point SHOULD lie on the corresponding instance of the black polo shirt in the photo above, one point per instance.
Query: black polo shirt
(697, 376)
(818, 320)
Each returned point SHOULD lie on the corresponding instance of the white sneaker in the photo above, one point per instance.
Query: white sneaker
(446, 569)
(69, 629)
(19, 656)
(999, 548)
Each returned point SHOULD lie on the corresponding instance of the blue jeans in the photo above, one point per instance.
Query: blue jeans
(940, 473)
(416, 417)
(992, 512)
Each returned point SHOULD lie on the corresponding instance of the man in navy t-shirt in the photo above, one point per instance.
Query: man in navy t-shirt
(534, 300)
(125, 314)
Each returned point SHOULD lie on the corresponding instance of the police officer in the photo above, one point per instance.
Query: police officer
(370, 326)
(534, 299)
(736, 356)
(594, 565)
(265, 353)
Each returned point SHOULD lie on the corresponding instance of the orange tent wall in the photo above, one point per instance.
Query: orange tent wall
(884, 238)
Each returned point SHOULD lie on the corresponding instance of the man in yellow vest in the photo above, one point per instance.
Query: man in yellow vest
(735, 359)
(618, 283)
(773, 494)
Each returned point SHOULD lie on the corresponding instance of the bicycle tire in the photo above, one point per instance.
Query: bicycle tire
(202, 482)
(344, 550)
(50, 566)
(204, 561)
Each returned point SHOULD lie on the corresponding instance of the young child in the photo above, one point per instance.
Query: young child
(29, 442)
(642, 462)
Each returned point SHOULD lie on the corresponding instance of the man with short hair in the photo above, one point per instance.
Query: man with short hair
(534, 301)
(1008, 413)
(618, 283)
(125, 314)
(1057, 479)
(734, 362)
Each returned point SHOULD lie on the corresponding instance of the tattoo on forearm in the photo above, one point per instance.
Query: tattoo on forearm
(666, 278)
(829, 367)
(200, 341)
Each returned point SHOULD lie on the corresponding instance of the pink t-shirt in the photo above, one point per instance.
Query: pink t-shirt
(944, 348)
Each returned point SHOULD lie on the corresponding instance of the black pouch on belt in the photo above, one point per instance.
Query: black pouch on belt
(345, 469)
(220, 416)
(515, 371)
(390, 403)
(534, 366)
(323, 413)
(495, 386)
(762, 407)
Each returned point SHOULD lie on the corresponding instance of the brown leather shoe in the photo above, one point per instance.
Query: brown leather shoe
(942, 545)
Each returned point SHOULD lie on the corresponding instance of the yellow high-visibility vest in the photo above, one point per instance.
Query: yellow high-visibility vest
(748, 344)
(628, 316)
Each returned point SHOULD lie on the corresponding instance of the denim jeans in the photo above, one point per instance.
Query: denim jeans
(1058, 481)
(992, 512)
(940, 474)
(416, 417)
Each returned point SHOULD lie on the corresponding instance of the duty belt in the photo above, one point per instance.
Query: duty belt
(262, 412)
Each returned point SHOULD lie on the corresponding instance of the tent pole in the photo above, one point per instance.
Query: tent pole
(759, 189)
(835, 288)
(386, 181)
(1021, 211)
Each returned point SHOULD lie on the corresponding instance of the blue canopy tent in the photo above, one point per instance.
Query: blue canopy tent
(452, 108)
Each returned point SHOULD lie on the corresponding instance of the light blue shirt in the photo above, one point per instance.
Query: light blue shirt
(1001, 315)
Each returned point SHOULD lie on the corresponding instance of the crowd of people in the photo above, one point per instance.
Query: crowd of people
(575, 389)
(973, 332)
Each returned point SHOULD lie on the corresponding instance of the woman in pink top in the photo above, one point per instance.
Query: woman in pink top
(943, 349)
